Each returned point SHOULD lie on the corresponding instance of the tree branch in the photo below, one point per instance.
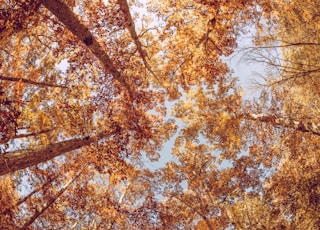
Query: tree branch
(131, 27)
(50, 203)
(302, 126)
(41, 84)
(22, 200)
(32, 134)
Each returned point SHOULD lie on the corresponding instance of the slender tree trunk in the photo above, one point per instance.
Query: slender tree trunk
(21, 159)
(50, 203)
(71, 21)
(24, 199)
(286, 122)
(131, 27)
(41, 84)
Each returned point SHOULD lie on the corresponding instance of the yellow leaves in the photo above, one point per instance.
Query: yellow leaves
(37, 120)
(116, 178)
(26, 116)
(108, 211)
(8, 198)
(173, 93)
(35, 101)
(307, 15)
(44, 139)
(252, 212)
(183, 63)
(187, 105)
(224, 119)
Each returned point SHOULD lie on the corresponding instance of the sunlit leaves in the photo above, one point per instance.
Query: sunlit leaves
(100, 103)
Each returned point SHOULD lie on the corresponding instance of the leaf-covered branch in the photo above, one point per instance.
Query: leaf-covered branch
(24, 199)
(50, 203)
(24, 80)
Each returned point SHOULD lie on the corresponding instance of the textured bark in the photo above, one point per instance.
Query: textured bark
(41, 84)
(21, 159)
(72, 23)
(303, 126)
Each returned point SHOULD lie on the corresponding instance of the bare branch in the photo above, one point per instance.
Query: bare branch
(32, 134)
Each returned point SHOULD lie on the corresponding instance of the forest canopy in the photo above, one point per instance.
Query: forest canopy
(121, 114)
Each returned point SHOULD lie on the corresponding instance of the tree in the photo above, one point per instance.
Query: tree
(289, 47)
(87, 131)
(291, 201)
(66, 119)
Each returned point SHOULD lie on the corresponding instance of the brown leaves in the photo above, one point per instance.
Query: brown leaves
(8, 196)
(86, 138)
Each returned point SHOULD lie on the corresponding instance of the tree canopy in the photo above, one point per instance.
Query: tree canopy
(93, 92)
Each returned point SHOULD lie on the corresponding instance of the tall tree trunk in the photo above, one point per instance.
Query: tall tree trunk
(72, 23)
(21, 159)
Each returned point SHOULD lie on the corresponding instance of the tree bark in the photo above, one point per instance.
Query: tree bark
(21, 159)
(72, 23)
(286, 122)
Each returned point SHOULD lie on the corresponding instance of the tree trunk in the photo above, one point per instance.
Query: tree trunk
(49, 204)
(72, 23)
(286, 122)
(21, 159)
(124, 7)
